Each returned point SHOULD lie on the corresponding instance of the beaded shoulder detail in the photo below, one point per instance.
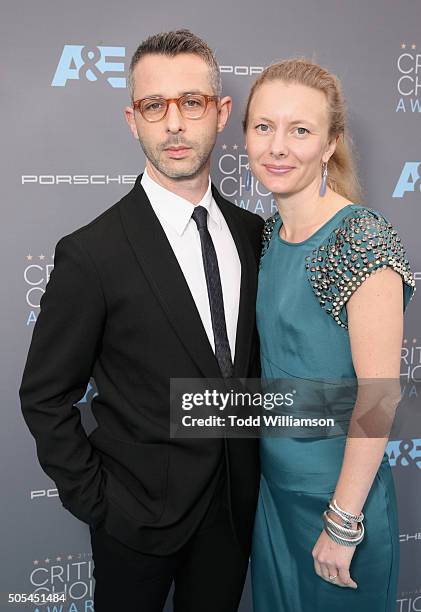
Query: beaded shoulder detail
(364, 242)
(267, 232)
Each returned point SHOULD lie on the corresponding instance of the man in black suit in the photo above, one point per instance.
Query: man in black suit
(161, 285)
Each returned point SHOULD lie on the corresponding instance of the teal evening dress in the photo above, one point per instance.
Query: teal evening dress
(302, 323)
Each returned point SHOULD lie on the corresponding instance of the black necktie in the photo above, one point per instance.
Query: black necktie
(216, 302)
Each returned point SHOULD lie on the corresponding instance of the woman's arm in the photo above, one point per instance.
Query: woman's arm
(375, 323)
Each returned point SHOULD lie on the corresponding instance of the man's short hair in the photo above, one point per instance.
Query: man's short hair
(171, 44)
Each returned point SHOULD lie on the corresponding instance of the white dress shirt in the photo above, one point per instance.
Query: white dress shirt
(174, 214)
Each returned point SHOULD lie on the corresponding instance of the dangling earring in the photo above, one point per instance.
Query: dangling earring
(247, 186)
(324, 180)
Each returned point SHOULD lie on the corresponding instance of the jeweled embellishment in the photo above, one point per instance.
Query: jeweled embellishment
(364, 243)
(267, 232)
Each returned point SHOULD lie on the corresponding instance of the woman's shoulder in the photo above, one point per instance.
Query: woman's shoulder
(363, 229)
(362, 210)
(361, 243)
(360, 215)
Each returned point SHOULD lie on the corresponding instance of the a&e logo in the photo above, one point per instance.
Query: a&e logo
(409, 180)
(91, 63)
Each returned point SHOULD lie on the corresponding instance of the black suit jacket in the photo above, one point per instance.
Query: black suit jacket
(117, 307)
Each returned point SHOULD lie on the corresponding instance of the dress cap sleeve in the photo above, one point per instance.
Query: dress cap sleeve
(364, 242)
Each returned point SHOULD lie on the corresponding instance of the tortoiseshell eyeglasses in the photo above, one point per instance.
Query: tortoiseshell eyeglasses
(191, 106)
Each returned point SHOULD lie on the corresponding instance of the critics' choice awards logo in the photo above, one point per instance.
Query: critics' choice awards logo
(67, 575)
(91, 63)
(104, 62)
(408, 88)
(409, 601)
(232, 162)
(411, 361)
(36, 275)
(407, 452)
(409, 79)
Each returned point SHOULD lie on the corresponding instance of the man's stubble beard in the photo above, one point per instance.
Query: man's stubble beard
(200, 161)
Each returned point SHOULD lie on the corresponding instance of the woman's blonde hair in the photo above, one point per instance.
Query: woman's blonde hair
(342, 175)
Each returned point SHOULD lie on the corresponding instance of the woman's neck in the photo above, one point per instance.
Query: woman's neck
(304, 212)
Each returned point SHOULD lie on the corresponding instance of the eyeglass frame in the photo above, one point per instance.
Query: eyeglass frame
(136, 105)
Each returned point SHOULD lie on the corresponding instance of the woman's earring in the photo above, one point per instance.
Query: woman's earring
(324, 180)
(247, 186)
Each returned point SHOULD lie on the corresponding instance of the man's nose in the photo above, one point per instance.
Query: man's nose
(175, 120)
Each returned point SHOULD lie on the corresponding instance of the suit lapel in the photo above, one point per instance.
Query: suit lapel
(166, 279)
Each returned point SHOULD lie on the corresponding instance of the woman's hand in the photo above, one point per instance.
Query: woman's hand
(332, 559)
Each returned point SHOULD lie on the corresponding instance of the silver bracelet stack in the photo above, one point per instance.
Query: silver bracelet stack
(343, 533)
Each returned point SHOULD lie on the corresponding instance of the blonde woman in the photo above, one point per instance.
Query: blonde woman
(326, 536)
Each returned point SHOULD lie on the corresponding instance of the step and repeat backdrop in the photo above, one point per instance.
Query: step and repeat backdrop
(67, 155)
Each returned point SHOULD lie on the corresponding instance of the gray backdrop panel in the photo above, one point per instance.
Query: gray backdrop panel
(75, 128)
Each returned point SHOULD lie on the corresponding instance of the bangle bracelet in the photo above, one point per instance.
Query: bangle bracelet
(348, 516)
(340, 529)
(344, 541)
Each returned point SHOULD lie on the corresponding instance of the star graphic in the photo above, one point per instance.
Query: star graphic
(29, 257)
(42, 256)
(413, 46)
(403, 46)
(36, 562)
(58, 558)
(235, 147)
(69, 557)
(47, 560)
(224, 146)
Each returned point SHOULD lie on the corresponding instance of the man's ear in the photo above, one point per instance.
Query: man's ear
(224, 111)
(129, 114)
